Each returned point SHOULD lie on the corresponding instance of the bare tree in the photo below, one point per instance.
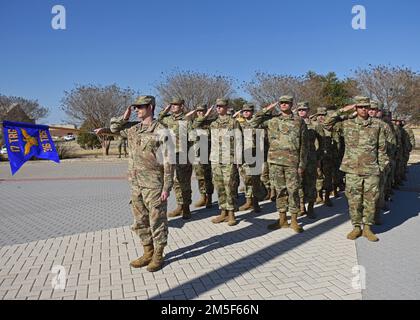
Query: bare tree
(194, 87)
(31, 107)
(96, 105)
(396, 87)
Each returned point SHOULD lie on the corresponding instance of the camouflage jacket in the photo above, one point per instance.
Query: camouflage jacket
(365, 145)
(390, 137)
(399, 141)
(224, 128)
(287, 136)
(315, 140)
(407, 141)
(179, 125)
(411, 136)
(150, 166)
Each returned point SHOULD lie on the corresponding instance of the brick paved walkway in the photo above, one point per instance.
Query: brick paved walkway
(83, 225)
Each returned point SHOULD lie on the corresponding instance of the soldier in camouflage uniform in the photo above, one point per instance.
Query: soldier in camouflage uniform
(154, 181)
(122, 145)
(308, 191)
(409, 143)
(180, 126)
(287, 158)
(392, 154)
(325, 178)
(203, 170)
(399, 154)
(364, 159)
(390, 149)
(224, 159)
(252, 180)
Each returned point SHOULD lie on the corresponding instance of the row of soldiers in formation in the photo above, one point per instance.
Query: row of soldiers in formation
(307, 158)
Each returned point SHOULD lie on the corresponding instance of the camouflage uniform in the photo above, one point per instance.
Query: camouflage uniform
(288, 151)
(308, 191)
(399, 155)
(364, 159)
(254, 189)
(225, 171)
(183, 172)
(122, 145)
(408, 147)
(391, 150)
(150, 178)
(203, 170)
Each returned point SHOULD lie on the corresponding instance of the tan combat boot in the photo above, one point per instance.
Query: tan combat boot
(201, 202)
(302, 209)
(319, 198)
(176, 213)
(231, 218)
(247, 205)
(157, 260)
(145, 259)
(355, 233)
(294, 224)
(256, 205)
(186, 213)
(220, 218)
(327, 200)
(311, 213)
(268, 196)
(209, 202)
(367, 233)
(281, 223)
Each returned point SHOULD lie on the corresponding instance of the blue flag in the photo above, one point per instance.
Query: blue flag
(26, 140)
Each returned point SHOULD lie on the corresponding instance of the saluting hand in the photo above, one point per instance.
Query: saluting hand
(209, 110)
(348, 108)
(272, 106)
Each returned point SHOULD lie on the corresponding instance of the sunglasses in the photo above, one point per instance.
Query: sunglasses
(363, 107)
(140, 107)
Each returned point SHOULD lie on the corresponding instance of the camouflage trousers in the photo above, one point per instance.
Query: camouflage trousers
(397, 172)
(326, 180)
(265, 176)
(286, 182)
(390, 178)
(204, 178)
(362, 193)
(225, 177)
(149, 212)
(307, 192)
(382, 187)
(253, 185)
(182, 184)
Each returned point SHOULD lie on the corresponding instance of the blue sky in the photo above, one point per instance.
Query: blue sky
(132, 43)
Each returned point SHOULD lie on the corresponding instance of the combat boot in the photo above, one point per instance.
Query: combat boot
(220, 218)
(311, 213)
(302, 209)
(231, 218)
(247, 205)
(176, 213)
(186, 213)
(145, 259)
(327, 200)
(268, 196)
(319, 198)
(273, 195)
(355, 233)
(368, 233)
(294, 224)
(256, 205)
(157, 260)
(281, 223)
(201, 202)
(209, 202)
(335, 192)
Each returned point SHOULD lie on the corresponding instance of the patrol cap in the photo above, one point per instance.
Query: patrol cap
(374, 104)
(248, 107)
(144, 100)
(321, 111)
(361, 101)
(177, 101)
(201, 107)
(288, 99)
(222, 102)
(303, 105)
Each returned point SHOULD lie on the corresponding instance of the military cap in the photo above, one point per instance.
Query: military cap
(143, 100)
(374, 104)
(288, 99)
(303, 105)
(361, 101)
(201, 107)
(177, 101)
(321, 111)
(248, 107)
(222, 102)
